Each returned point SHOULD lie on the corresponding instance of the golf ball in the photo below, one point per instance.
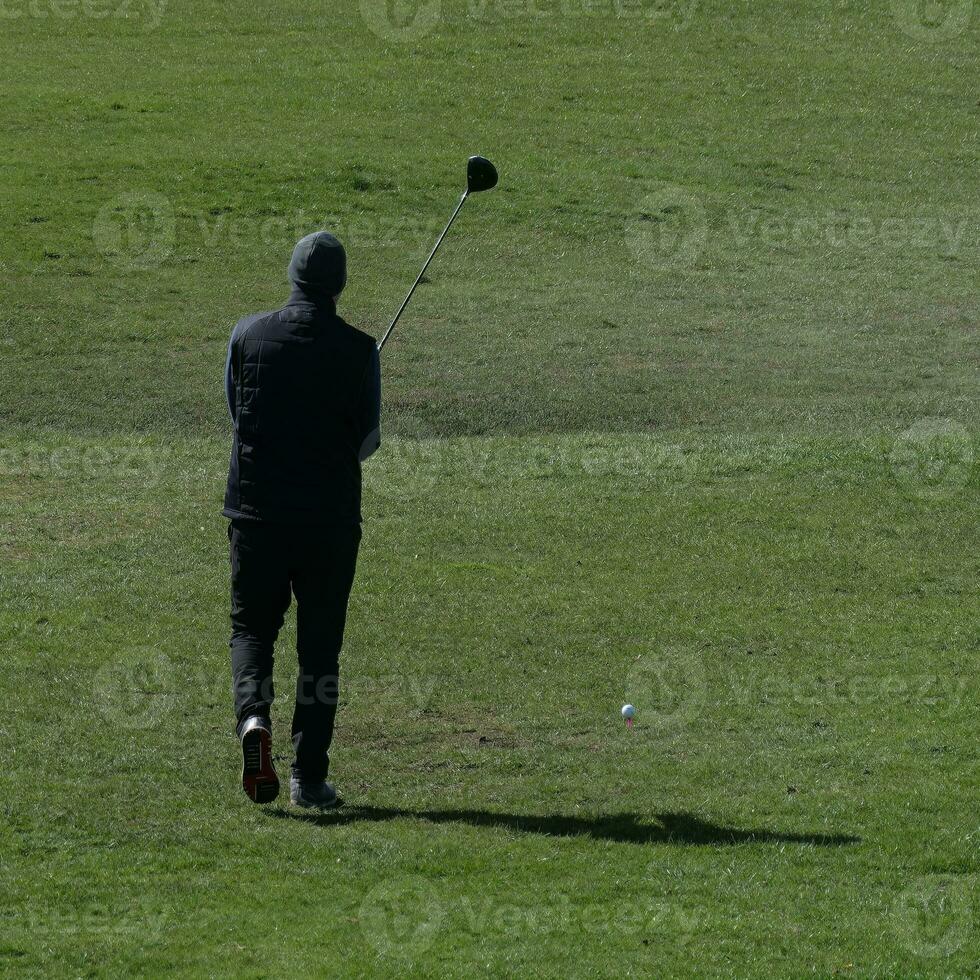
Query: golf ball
(628, 711)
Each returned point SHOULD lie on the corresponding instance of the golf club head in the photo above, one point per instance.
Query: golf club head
(481, 175)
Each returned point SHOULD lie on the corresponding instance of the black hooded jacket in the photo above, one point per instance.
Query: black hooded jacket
(304, 394)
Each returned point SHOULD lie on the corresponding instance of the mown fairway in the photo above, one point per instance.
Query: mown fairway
(686, 416)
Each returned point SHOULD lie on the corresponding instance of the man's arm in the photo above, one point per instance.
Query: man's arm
(229, 380)
(236, 336)
(371, 408)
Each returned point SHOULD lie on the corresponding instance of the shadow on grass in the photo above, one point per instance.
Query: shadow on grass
(625, 828)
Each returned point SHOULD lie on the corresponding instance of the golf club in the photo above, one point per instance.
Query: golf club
(481, 175)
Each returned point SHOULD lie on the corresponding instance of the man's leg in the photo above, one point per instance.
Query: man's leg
(322, 576)
(259, 600)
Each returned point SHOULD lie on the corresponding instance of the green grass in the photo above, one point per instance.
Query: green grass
(685, 415)
(805, 139)
(797, 630)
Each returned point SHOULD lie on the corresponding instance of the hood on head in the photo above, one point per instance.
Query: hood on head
(319, 264)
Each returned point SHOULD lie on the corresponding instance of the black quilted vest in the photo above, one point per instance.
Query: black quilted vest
(298, 376)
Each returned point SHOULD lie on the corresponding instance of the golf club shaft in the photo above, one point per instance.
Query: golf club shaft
(435, 248)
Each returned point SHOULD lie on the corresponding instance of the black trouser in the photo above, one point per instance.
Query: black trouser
(317, 564)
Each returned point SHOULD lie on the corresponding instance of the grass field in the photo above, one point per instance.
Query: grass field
(686, 415)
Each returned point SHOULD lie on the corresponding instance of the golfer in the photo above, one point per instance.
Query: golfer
(304, 391)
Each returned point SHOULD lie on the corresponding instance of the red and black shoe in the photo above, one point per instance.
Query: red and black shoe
(259, 779)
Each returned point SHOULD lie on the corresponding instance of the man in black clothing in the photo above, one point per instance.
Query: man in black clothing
(304, 392)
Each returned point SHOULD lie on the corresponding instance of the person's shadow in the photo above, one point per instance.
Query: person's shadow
(625, 828)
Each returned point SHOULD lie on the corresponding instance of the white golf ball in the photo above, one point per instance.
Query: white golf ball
(628, 711)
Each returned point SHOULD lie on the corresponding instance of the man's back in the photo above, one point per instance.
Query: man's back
(302, 396)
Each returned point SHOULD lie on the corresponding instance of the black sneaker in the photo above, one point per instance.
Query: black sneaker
(316, 796)
(259, 779)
